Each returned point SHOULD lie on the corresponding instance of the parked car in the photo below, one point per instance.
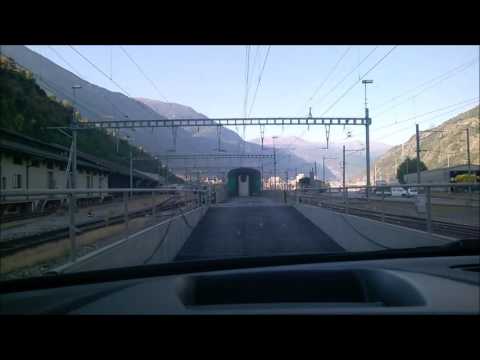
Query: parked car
(386, 192)
(412, 192)
(399, 191)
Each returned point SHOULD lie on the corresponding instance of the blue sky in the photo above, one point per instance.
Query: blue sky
(212, 80)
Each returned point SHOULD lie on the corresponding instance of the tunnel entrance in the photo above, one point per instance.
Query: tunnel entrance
(244, 182)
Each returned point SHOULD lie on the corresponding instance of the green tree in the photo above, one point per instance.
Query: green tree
(408, 166)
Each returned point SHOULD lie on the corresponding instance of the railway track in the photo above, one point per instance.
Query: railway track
(13, 246)
(439, 227)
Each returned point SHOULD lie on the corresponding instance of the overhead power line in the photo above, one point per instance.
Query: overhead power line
(259, 81)
(77, 73)
(100, 71)
(330, 73)
(247, 71)
(456, 109)
(428, 82)
(141, 106)
(143, 73)
(425, 89)
(461, 103)
(346, 76)
(356, 82)
(56, 88)
(66, 62)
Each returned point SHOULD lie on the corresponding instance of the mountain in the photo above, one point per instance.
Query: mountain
(97, 103)
(178, 111)
(445, 146)
(25, 108)
(231, 142)
(311, 152)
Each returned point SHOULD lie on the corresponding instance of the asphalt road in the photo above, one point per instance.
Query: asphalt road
(254, 227)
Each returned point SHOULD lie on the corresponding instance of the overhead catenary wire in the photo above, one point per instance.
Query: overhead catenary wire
(329, 74)
(346, 76)
(357, 81)
(454, 110)
(144, 74)
(125, 92)
(428, 82)
(259, 81)
(80, 76)
(100, 70)
(463, 68)
(428, 113)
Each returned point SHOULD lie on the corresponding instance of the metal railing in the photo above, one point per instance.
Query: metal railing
(75, 221)
(454, 215)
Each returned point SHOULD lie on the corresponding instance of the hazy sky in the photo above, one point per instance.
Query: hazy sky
(212, 80)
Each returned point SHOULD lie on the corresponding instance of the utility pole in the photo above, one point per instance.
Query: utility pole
(323, 169)
(315, 170)
(418, 153)
(131, 173)
(262, 176)
(367, 136)
(343, 169)
(344, 164)
(274, 164)
(323, 166)
(468, 152)
(74, 140)
(296, 175)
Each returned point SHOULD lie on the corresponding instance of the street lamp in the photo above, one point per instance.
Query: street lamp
(74, 139)
(274, 163)
(367, 137)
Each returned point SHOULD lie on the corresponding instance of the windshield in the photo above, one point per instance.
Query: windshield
(119, 156)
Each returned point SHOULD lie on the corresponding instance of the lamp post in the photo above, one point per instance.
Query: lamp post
(274, 163)
(323, 166)
(367, 136)
(74, 139)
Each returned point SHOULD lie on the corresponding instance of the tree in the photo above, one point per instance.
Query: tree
(408, 166)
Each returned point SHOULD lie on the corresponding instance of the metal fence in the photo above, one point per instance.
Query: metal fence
(423, 206)
(153, 204)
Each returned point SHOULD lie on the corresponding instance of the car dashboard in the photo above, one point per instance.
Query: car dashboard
(426, 285)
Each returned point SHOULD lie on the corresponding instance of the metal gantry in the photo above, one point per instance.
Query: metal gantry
(218, 122)
(212, 156)
(269, 121)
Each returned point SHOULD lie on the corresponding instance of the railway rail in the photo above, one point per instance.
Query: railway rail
(10, 247)
(460, 231)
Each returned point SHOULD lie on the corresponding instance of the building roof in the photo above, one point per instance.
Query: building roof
(13, 141)
(42, 153)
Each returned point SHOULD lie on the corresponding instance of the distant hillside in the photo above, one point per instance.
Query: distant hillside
(178, 111)
(97, 103)
(438, 148)
(311, 152)
(27, 109)
(230, 142)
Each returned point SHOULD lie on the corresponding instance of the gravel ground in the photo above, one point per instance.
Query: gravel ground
(41, 269)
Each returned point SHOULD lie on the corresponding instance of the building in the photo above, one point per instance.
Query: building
(441, 175)
(30, 164)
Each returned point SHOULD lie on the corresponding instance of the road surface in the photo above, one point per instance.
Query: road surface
(254, 226)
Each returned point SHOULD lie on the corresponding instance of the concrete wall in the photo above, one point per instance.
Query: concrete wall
(355, 233)
(220, 193)
(159, 243)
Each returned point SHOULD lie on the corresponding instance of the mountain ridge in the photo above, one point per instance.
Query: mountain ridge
(444, 145)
